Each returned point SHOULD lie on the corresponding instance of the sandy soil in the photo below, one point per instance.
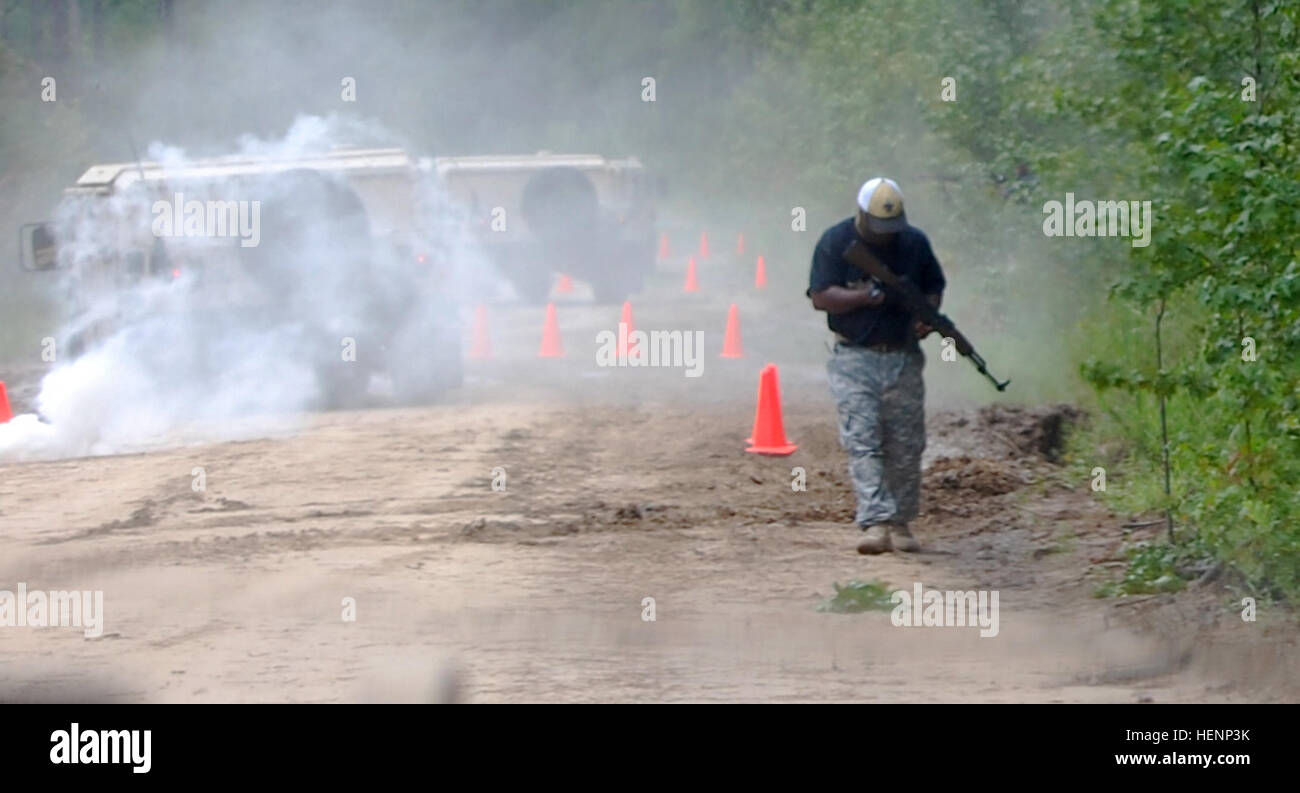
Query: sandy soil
(632, 485)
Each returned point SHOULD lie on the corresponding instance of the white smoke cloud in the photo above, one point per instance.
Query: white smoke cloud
(209, 340)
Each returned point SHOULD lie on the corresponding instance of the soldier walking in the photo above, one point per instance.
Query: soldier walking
(875, 370)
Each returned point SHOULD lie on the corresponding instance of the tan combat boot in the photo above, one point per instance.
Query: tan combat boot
(900, 537)
(876, 541)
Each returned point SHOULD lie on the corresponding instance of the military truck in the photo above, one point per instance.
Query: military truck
(540, 214)
(344, 251)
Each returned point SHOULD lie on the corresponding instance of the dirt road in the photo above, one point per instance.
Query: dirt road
(633, 485)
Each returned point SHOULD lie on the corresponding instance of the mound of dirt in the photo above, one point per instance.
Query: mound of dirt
(973, 475)
(1036, 431)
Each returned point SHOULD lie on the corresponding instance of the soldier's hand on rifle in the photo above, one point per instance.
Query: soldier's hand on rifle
(875, 295)
(873, 300)
(922, 329)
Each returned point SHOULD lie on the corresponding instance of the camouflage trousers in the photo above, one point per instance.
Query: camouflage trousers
(880, 397)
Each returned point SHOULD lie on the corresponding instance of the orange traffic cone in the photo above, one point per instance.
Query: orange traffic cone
(731, 340)
(704, 245)
(482, 348)
(5, 412)
(551, 347)
(769, 429)
(663, 246)
(625, 345)
(565, 285)
(740, 244)
(760, 274)
(692, 278)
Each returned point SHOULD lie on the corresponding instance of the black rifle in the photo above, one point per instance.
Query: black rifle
(905, 293)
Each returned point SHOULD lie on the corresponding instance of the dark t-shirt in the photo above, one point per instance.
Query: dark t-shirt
(908, 255)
